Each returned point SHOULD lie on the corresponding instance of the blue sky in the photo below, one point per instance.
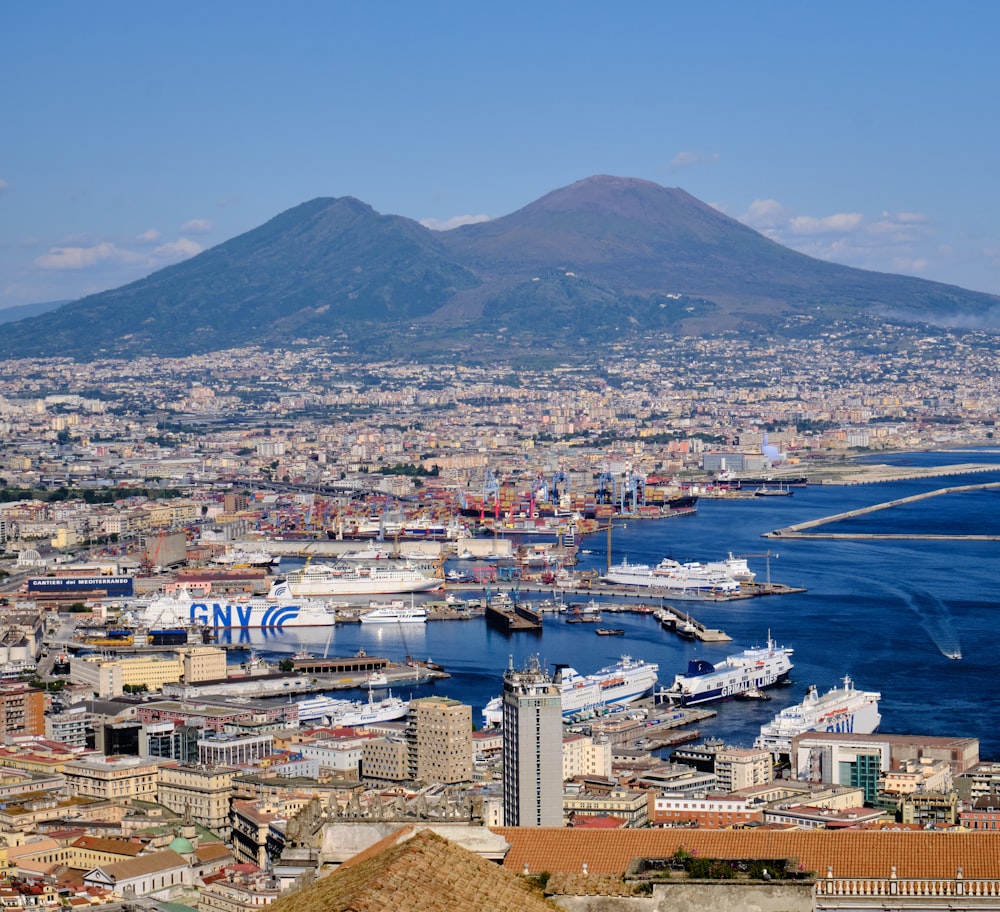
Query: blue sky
(137, 134)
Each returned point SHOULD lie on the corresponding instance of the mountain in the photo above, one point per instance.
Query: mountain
(603, 260)
(23, 311)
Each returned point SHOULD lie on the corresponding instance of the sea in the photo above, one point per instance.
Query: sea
(887, 613)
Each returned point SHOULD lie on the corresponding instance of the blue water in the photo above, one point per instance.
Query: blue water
(885, 613)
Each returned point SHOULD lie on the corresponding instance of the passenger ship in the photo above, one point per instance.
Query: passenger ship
(753, 669)
(843, 709)
(360, 578)
(279, 608)
(616, 685)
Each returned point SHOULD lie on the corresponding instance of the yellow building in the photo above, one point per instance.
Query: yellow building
(203, 663)
(110, 677)
(113, 778)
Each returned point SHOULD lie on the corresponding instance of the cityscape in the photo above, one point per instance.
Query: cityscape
(499, 458)
(149, 506)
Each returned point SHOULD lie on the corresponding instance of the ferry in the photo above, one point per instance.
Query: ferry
(753, 669)
(279, 608)
(842, 709)
(394, 612)
(360, 577)
(690, 580)
(351, 713)
(616, 685)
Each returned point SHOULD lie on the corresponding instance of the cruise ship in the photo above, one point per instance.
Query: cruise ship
(351, 713)
(616, 685)
(753, 669)
(375, 577)
(690, 580)
(842, 709)
(279, 608)
(395, 612)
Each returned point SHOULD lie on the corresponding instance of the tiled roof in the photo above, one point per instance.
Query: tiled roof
(849, 853)
(110, 845)
(165, 860)
(424, 873)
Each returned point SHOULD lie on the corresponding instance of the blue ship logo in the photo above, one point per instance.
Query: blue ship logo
(216, 615)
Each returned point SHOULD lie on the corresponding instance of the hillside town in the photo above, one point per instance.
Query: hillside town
(139, 763)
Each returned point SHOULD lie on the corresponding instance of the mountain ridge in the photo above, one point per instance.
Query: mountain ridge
(602, 260)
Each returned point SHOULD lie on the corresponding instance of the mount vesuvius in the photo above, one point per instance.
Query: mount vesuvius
(605, 260)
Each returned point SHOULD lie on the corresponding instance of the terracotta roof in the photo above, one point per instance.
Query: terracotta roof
(111, 846)
(851, 853)
(422, 873)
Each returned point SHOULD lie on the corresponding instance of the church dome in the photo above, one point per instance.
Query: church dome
(181, 846)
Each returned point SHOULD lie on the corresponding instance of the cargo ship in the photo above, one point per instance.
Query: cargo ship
(753, 669)
(842, 709)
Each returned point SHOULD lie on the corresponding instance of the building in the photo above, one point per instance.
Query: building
(203, 793)
(532, 748)
(22, 710)
(705, 812)
(740, 768)
(984, 814)
(113, 778)
(234, 750)
(385, 759)
(584, 755)
(443, 729)
(203, 663)
(631, 806)
(111, 677)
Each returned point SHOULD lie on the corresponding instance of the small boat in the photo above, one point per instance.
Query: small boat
(780, 491)
(752, 693)
(609, 631)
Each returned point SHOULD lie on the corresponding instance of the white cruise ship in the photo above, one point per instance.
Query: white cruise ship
(395, 612)
(616, 685)
(376, 577)
(279, 608)
(842, 709)
(351, 713)
(753, 669)
(690, 580)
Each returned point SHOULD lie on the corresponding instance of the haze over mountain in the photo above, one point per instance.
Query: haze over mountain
(605, 260)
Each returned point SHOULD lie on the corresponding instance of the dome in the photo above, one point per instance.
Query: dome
(181, 846)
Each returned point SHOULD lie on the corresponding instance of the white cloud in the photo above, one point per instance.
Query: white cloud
(831, 224)
(180, 249)
(689, 159)
(150, 236)
(455, 221)
(767, 213)
(86, 257)
(197, 226)
(3, 185)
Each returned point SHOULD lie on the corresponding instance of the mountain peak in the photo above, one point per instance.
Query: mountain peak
(604, 260)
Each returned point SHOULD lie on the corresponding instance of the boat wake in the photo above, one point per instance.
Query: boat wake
(936, 619)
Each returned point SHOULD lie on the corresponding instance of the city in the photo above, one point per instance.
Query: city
(143, 758)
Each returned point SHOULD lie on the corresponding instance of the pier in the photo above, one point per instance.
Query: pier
(804, 529)
(684, 625)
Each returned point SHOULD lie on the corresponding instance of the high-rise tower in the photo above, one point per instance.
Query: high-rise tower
(532, 748)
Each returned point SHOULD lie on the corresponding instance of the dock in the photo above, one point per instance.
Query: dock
(512, 617)
(685, 626)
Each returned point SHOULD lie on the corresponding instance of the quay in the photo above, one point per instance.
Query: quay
(685, 626)
(803, 530)
(301, 682)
